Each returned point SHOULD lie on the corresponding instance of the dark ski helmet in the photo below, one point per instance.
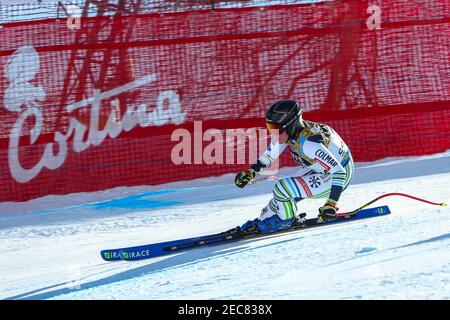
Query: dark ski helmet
(285, 115)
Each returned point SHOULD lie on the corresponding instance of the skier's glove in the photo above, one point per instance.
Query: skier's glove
(328, 211)
(244, 177)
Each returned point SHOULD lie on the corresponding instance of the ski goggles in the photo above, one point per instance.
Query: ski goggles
(275, 128)
(280, 127)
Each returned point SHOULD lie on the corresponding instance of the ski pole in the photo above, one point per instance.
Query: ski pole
(351, 213)
(264, 179)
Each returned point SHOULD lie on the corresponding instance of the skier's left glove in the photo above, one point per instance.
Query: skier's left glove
(244, 177)
(328, 211)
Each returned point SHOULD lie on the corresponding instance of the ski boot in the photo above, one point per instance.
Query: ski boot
(250, 227)
(268, 225)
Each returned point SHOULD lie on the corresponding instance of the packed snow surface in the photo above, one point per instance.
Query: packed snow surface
(50, 246)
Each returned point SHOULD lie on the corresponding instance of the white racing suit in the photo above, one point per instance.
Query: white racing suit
(326, 169)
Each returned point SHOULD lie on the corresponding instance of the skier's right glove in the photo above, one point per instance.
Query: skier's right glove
(328, 211)
(244, 177)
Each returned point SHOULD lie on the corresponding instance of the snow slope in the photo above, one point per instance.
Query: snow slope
(50, 246)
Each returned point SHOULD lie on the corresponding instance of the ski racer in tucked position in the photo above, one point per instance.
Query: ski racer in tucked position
(326, 168)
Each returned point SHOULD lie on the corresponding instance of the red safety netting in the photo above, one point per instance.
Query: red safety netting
(92, 103)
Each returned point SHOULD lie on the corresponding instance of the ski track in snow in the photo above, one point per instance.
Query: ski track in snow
(52, 252)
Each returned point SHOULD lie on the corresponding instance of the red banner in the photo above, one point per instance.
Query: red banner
(96, 107)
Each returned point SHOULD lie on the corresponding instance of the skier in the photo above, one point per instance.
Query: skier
(326, 168)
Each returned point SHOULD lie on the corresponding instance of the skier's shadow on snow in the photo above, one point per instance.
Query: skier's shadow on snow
(187, 258)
